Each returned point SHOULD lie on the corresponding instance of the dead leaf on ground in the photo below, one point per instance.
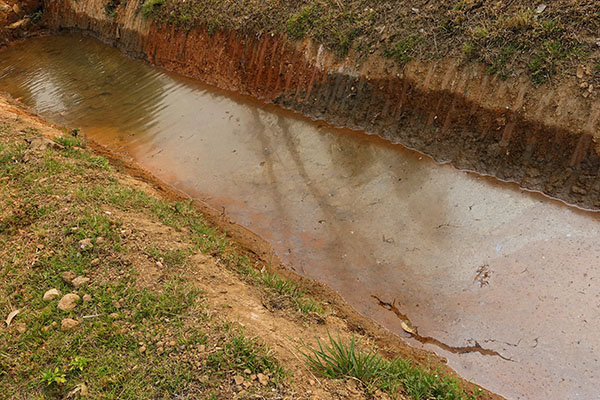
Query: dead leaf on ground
(408, 328)
(11, 316)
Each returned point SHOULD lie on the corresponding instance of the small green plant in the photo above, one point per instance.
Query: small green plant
(35, 19)
(78, 364)
(339, 360)
(100, 162)
(110, 8)
(54, 377)
(469, 51)
(481, 32)
(70, 142)
(404, 49)
(544, 62)
(302, 21)
(151, 8)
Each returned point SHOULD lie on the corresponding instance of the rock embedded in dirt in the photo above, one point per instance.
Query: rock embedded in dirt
(68, 323)
(51, 294)
(41, 143)
(238, 379)
(68, 276)
(263, 379)
(68, 302)
(85, 244)
(80, 281)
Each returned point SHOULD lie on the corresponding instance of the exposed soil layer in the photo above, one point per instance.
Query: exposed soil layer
(543, 139)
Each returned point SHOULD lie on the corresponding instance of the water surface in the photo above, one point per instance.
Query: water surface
(472, 263)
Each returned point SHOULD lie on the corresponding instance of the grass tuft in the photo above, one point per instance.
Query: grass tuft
(341, 360)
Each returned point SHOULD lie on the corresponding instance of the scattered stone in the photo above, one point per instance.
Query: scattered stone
(172, 343)
(83, 390)
(262, 379)
(68, 276)
(578, 190)
(51, 294)
(311, 382)
(116, 304)
(541, 8)
(85, 244)
(159, 264)
(114, 315)
(80, 281)
(87, 298)
(42, 143)
(142, 348)
(580, 72)
(238, 379)
(68, 302)
(95, 261)
(68, 323)
(247, 371)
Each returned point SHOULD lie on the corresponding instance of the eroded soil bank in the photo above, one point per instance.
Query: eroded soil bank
(543, 138)
(488, 275)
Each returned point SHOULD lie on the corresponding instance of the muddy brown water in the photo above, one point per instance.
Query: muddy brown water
(503, 283)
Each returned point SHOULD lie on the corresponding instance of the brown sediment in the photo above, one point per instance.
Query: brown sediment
(475, 348)
(454, 113)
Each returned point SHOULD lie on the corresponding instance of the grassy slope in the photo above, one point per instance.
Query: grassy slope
(510, 37)
(147, 331)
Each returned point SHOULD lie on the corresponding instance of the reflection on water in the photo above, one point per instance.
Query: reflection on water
(365, 217)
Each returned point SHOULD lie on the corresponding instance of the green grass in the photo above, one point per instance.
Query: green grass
(48, 204)
(403, 50)
(152, 8)
(181, 215)
(110, 8)
(341, 360)
(302, 21)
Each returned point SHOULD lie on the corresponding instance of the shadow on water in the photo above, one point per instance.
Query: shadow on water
(478, 267)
